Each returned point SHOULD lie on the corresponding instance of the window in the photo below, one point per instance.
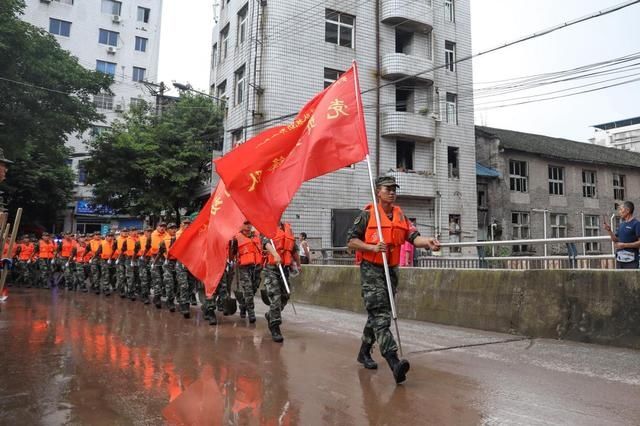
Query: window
(224, 37)
(592, 229)
(453, 162)
(221, 91)
(452, 108)
(331, 75)
(404, 99)
(588, 184)
(403, 41)
(618, 187)
(430, 45)
(58, 27)
(483, 196)
(103, 101)
(449, 11)
(455, 232)
(556, 180)
(242, 25)
(143, 14)
(111, 7)
(236, 138)
(341, 222)
(82, 173)
(404, 155)
(138, 73)
(108, 37)
(558, 225)
(141, 44)
(214, 56)
(520, 226)
(137, 103)
(450, 55)
(106, 67)
(339, 28)
(239, 86)
(518, 176)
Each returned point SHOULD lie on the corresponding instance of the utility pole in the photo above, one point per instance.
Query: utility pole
(157, 90)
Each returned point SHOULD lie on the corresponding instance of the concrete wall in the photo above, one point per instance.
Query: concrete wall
(587, 306)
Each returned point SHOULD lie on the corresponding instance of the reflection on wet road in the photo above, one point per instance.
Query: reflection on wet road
(83, 359)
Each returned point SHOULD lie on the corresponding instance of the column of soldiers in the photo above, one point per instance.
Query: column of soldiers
(136, 264)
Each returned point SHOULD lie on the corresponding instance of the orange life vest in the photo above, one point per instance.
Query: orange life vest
(249, 249)
(168, 242)
(156, 239)
(66, 247)
(131, 247)
(143, 245)
(95, 244)
(46, 249)
(5, 252)
(284, 243)
(26, 250)
(394, 232)
(81, 251)
(179, 232)
(119, 244)
(107, 249)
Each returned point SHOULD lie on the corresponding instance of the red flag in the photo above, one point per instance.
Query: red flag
(263, 174)
(203, 246)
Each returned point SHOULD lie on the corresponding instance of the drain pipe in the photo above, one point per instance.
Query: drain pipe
(378, 71)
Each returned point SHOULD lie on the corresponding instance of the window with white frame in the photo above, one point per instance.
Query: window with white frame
(452, 108)
(110, 38)
(429, 36)
(242, 25)
(111, 7)
(520, 229)
(139, 73)
(141, 44)
(59, 27)
(558, 225)
(589, 184)
(518, 180)
(449, 11)
(618, 187)
(450, 55)
(143, 14)
(592, 229)
(556, 180)
(106, 67)
(103, 101)
(339, 28)
(240, 86)
(236, 138)
(331, 75)
(224, 43)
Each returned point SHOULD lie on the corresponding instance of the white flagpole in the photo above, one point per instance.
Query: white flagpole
(377, 215)
(284, 279)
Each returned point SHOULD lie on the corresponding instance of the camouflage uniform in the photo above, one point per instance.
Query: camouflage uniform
(106, 272)
(25, 273)
(169, 281)
(130, 275)
(68, 268)
(120, 269)
(94, 267)
(375, 293)
(155, 271)
(43, 273)
(184, 295)
(80, 276)
(249, 281)
(145, 277)
(276, 291)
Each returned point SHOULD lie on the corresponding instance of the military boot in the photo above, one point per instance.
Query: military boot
(243, 312)
(212, 317)
(399, 367)
(364, 357)
(157, 301)
(184, 310)
(252, 317)
(276, 335)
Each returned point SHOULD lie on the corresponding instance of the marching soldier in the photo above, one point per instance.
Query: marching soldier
(26, 251)
(363, 236)
(284, 252)
(130, 259)
(81, 256)
(94, 261)
(157, 237)
(143, 247)
(105, 253)
(249, 266)
(64, 254)
(184, 278)
(169, 267)
(45, 250)
(119, 263)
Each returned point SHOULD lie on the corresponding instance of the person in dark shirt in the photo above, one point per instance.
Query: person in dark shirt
(626, 238)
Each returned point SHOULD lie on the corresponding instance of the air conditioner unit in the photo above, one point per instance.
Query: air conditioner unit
(111, 49)
(436, 117)
(116, 19)
(119, 108)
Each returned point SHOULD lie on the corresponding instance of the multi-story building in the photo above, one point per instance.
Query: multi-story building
(121, 38)
(270, 58)
(572, 187)
(622, 134)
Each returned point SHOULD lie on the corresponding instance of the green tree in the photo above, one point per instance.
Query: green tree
(146, 164)
(46, 96)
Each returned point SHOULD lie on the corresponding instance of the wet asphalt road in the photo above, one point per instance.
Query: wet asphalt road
(75, 358)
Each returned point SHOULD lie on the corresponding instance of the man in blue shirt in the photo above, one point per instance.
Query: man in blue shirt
(627, 238)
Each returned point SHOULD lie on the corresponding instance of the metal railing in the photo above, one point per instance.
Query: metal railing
(572, 260)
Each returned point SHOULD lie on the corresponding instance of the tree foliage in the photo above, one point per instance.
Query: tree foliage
(146, 164)
(46, 96)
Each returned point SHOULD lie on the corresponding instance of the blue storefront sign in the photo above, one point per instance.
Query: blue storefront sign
(86, 207)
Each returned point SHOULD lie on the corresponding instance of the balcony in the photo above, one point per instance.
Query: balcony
(415, 184)
(397, 65)
(410, 15)
(408, 125)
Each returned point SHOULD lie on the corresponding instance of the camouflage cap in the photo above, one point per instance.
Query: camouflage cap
(162, 224)
(386, 181)
(186, 220)
(172, 226)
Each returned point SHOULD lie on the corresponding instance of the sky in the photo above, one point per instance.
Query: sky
(187, 31)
